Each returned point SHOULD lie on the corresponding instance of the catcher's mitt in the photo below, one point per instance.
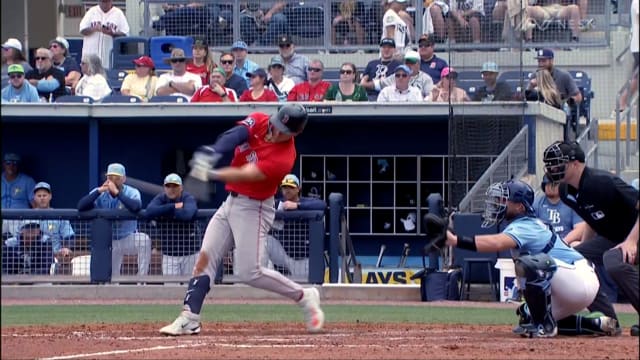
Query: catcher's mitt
(436, 230)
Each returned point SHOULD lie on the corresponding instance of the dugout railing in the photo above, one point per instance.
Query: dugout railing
(29, 238)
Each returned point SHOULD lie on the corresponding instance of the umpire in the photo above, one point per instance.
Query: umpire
(609, 206)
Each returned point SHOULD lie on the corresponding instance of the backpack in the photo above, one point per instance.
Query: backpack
(439, 285)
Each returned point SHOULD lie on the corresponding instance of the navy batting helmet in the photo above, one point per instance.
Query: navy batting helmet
(291, 118)
(497, 195)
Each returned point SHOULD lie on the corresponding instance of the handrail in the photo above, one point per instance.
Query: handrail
(590, 133)
(465, 203)
(631, 103)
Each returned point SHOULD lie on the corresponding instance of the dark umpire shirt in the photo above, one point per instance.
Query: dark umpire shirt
(56, 73)
(605, 202)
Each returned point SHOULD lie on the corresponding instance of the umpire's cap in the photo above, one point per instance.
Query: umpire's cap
(291, 118)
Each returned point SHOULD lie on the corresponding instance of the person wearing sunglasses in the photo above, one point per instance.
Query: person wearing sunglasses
(295, 64)
(417, 78)
(278, 82)
(315, 88)
(401, 90)
(141, 83)
(446, 90)
(48, 79)
(18, 90)
(430, 63)
(231, 79)
(12, 54)
(178, 82)
(347, 89)
(60, 49)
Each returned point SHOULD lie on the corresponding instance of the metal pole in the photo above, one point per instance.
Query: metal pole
(628, 140)
(26, 29)
(618, 134)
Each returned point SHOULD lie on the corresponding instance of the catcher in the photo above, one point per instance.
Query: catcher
(557, 281)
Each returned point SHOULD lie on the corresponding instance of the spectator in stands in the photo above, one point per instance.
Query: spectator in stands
(298, 265)
(58, 232)
(260, 27)
(378, 69)
(17, 188)
(634, 47)
(446, 90)
(258, 91)
(295, 64)
(545, 90)
(18, 90)
(178, 82)
(400, 90)
(348, 21)
(232, 80)
(143, 82)
(48, 80)
(60, 49)
(397, 24)
(347, 89)
(418, 79)
(115, 194)
(564, 220)
(94, 79)
(216, 91)
(430, 63)
(552, 10)
(100, 25)
(12, 54)
(433, 20)
(243, 66)
(174, 212)
(30, 255)
(492, 90)
(564, 82)
(202, 61)
(278, 82)
(315, 88)
(465, 15)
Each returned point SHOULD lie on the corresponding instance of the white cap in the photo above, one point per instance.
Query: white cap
(12, 43)
(62, 41)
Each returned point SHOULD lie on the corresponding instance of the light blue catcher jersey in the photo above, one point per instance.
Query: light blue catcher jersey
(560, 216)
(532, 235)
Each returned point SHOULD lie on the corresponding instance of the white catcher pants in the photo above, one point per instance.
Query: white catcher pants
(573, 288)
(133, 244)
(178, 265)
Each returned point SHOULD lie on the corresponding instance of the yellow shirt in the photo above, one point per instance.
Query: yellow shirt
(140, 87)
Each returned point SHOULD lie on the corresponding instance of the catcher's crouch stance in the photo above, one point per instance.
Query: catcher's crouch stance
(557, 282)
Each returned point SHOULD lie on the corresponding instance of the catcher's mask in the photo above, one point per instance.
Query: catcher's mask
(290, 119)
(497, 195)
(558, 155)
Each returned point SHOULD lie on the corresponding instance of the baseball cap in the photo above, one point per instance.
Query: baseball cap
(413, 56)
(448, 70)
(116, 169)
(284, 40)
(12, 43)
(276, 60)
(12, 157)
(42, 185)
(425, 38)
(219, 70)
(15, 68)
(145, 61)
(490, 66)
(176, 53)
(257, 72)
(30, 224)
(544, 54)
(291, 181)
(173, 179)
(388, 42)
(239, 45)
(200, 43)
(60, 40)
(573, 151)
(404, 68)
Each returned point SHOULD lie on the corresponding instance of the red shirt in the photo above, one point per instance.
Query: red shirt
(267, 95)
(205, 94)
(305, 92)
(275, 160)
(201, 71)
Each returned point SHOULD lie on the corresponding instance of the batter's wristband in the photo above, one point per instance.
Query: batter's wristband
(467, 242)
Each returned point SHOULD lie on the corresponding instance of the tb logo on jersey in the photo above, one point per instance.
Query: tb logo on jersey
(554, 216)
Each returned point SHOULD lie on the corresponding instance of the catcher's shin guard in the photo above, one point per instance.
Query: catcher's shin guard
(538, 270)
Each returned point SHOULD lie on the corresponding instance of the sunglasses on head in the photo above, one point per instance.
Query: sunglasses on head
(348, 72)
(15, 76)
(402, 75)
(41, 58)
(313, 69)
(226, 62)
(174, 61)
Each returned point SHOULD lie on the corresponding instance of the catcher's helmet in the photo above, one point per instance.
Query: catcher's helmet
(557, 155)
(497, 196)
(291, 118)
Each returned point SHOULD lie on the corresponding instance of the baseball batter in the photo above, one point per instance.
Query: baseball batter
(557, 281)
(264, 152)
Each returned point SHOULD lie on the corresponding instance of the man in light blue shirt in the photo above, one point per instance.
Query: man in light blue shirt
(18, 90)
(239, 49)
(552, 211)
(126, 240)
(17, 188)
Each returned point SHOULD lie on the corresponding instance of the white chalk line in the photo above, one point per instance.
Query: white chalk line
(125, 351)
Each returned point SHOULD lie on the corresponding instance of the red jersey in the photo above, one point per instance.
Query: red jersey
(305, 92)
(275, 160)
(201, 71)
(205, 94)
(267, 95)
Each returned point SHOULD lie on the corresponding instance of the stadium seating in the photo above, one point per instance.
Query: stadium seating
(115, 77)
(168, 99)
(470, 81)
(126, 49)
(160, 48)
(331, 75)
(77, 99)
(583, 82)
(516, 79)
(309, 22)
(120, 99)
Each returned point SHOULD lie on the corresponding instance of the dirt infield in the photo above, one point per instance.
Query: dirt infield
(291, 341)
